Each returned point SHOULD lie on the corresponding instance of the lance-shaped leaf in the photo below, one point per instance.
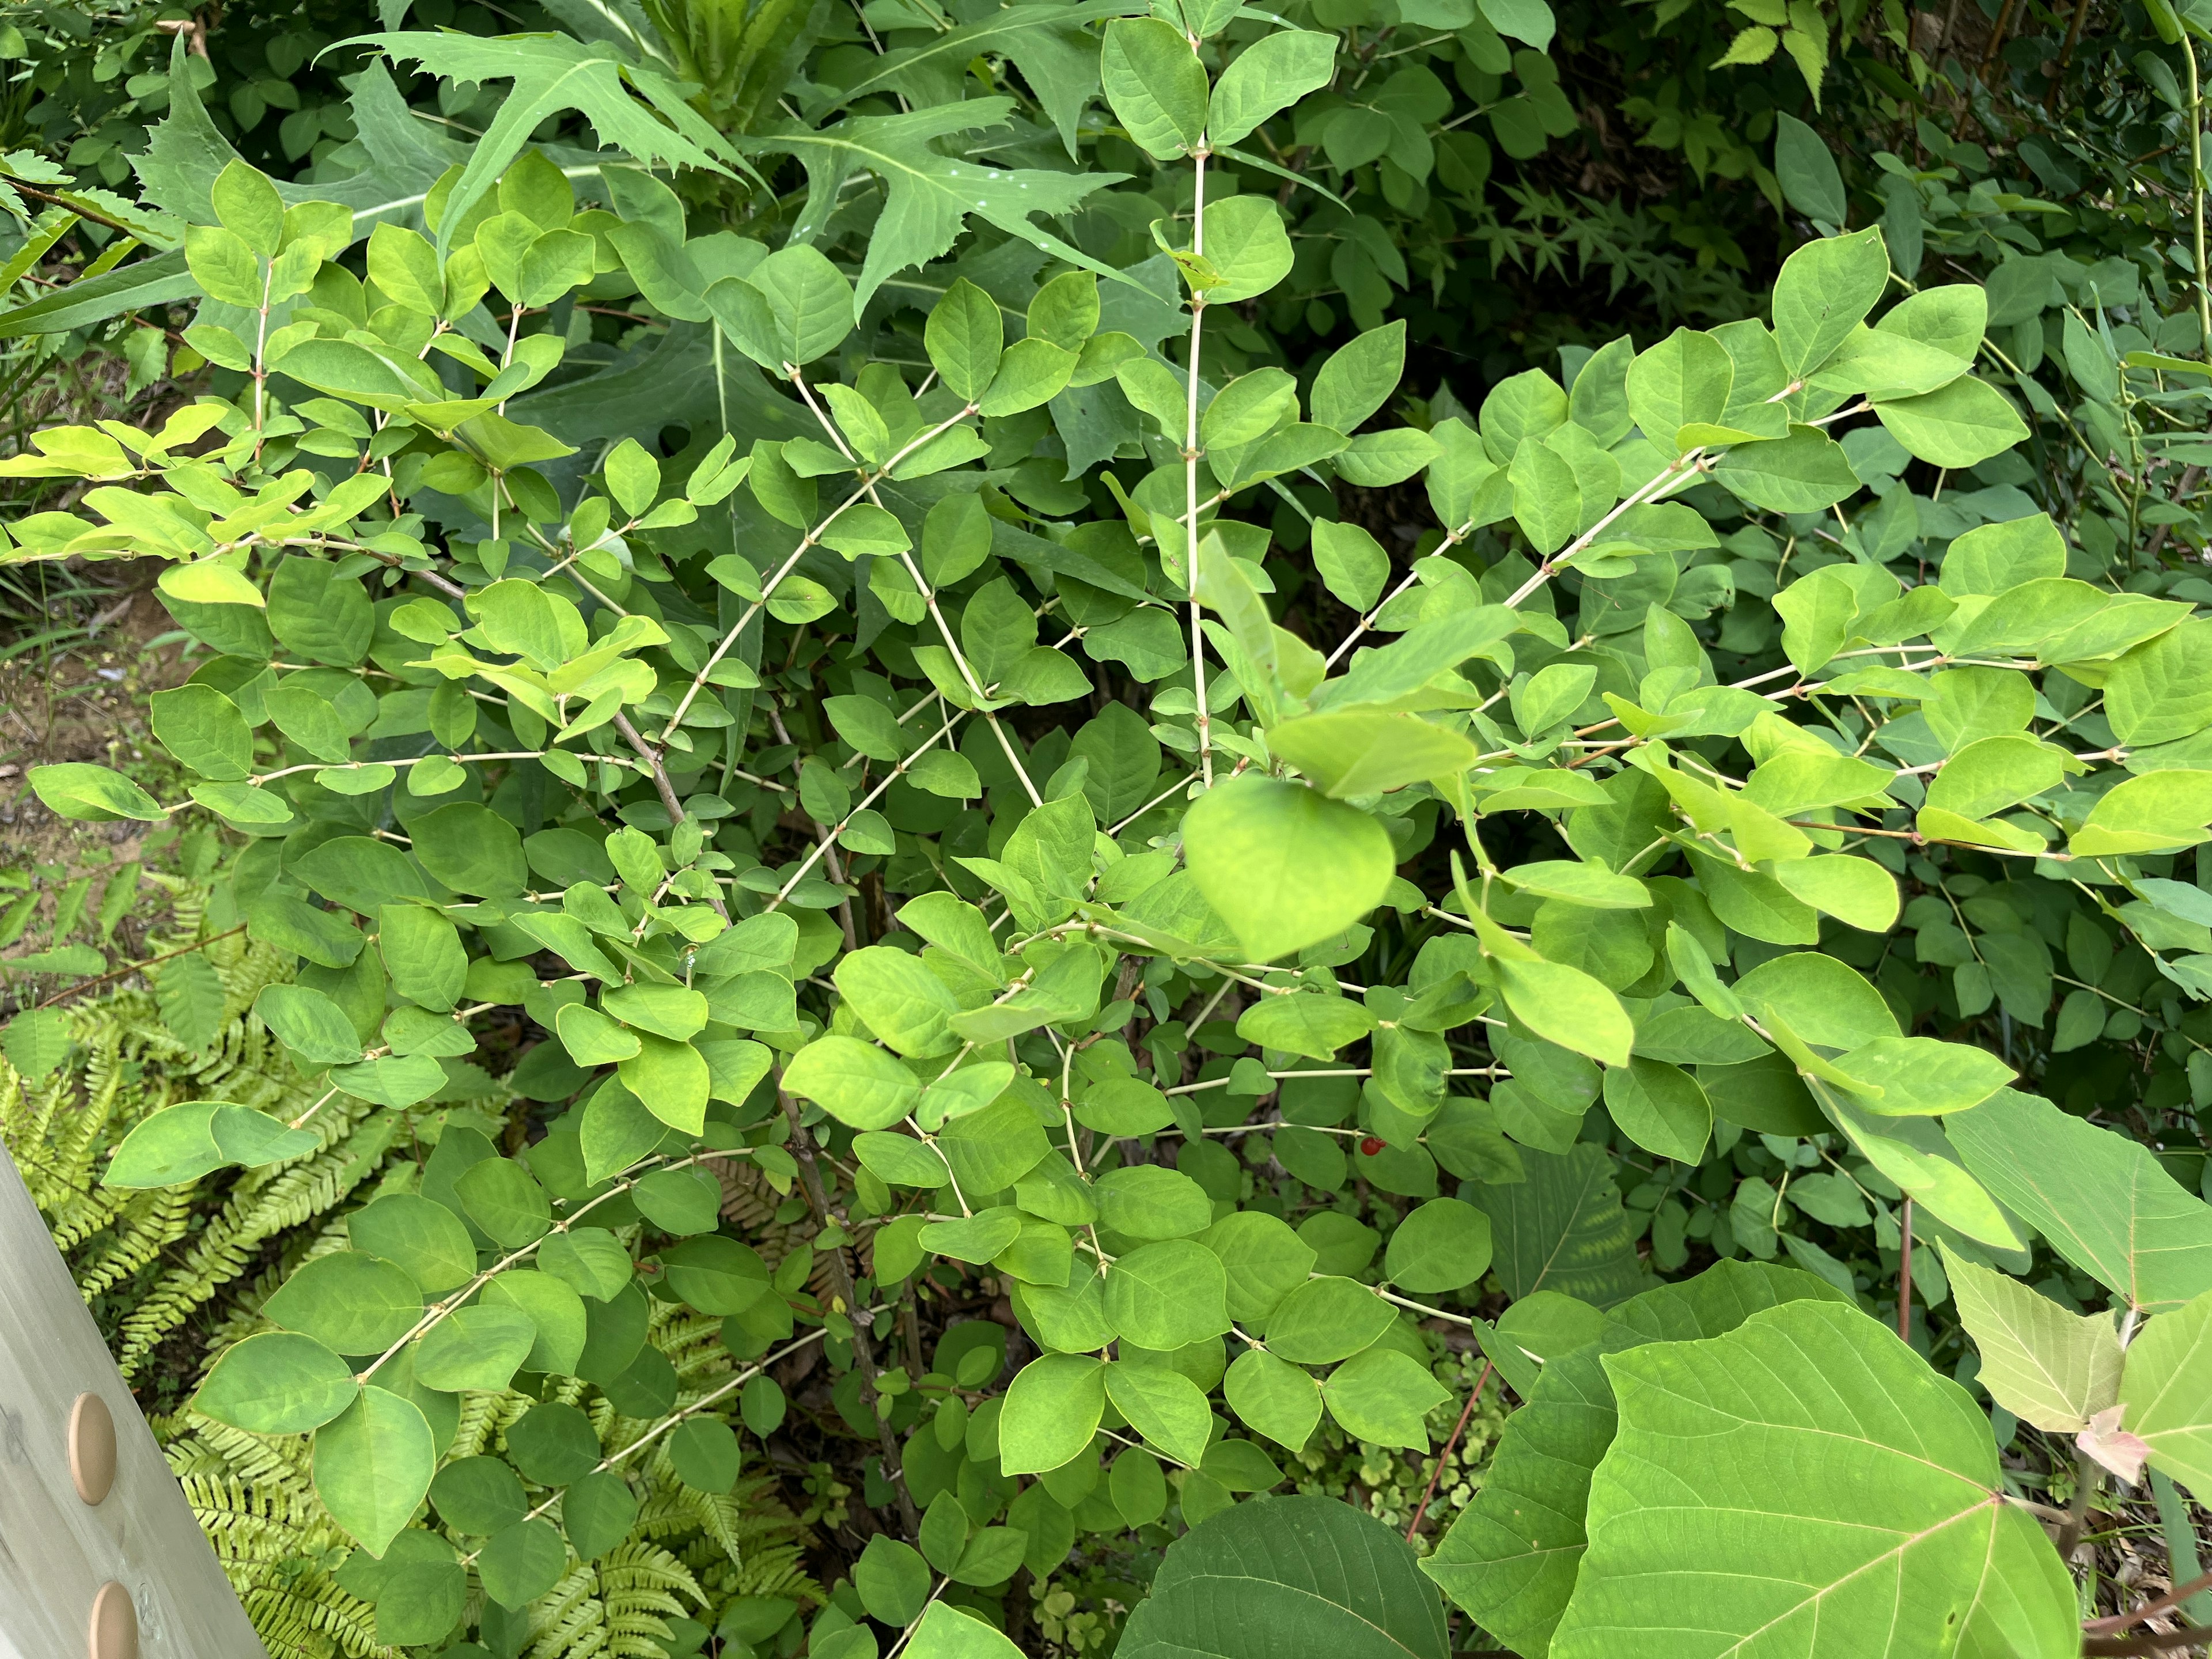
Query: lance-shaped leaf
(929, 195)
(1805, 1485)
(553, 73)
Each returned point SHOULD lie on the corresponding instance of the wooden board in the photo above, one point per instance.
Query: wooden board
(56, 1550)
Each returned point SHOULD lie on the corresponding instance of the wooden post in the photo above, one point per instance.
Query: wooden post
(100, 1555)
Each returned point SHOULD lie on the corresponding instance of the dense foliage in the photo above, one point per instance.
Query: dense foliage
(852, 614)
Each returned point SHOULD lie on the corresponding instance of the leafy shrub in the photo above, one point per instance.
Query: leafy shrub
(641, 629)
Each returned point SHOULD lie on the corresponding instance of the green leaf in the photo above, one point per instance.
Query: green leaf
(715, 1274)
(314, 1028)
(276, 1383)
(1567, 1006)
(1963, 424)
(552, 73)
(947, 1632)
(204, 730)
(1033, 372)
(672, 1079)
(479, 1496)
(704, 1453)
(1163, 1406)
(348, 1301)
(1328, 1319)
(1156, 84)
(1351, 562)
(2045, 1364)
(1315, 1026)
(501, 1198)
(1805, 473)
(1563, 1228)
(1246, 246)
(372, 1465)
(1682, 380)
(1274, 1397)
(1366, 752)
(1285, 866)
(928, 196)
(1923, 1076)
(904, 1004)
(1807, 172)
(893, 1581)
(1857, 892)
(1511, 1557)
(1267, 76)
(96, 793)
(479, 1346)
(1053, 1407)
(964, 338)
(1888, 1533)
(590, 1261)
(423, 1237)
(855, 1082)
(191, 997)
(1287, 1575)
(1357, 378)
(555, 1309)
(182, 1143)
(1825, 288)
(1167, 1295)
(1383, 1396)
(1660, 1107)
(1444, 1245)
(2104, 1201)
(2164, 1393)
(522, 1562)
(597, 1510)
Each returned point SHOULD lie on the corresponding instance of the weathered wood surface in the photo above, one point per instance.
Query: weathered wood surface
(56, 1550)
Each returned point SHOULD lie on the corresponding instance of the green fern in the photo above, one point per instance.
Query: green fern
(255, 1499)
(213, 1251)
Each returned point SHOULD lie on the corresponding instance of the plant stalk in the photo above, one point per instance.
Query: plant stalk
(2197, 191)
(1904, 1274)
(841, 1276)
(1190, 473)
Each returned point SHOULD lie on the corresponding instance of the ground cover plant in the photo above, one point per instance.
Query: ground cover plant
(873, 723)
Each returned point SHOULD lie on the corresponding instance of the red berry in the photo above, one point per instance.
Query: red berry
(1370, 1147)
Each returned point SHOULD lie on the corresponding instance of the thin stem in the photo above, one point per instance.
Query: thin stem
(2173, 1598)
(1466, 1411)
(2196, 1636)
(864, 1356)
(2087, 1474)
(1904, 1273)
(1190, 455)
(68, 991)
(2197, 192)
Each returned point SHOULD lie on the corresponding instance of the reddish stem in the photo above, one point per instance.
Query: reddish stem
(1458, 1429)
(1904, 1274)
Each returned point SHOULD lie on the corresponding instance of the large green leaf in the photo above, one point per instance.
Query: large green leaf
(1511, 1557)
(1563, 1228)
(2104, 1201)
(1805, 1485)
(2167, 1393)
(1288, 1578)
